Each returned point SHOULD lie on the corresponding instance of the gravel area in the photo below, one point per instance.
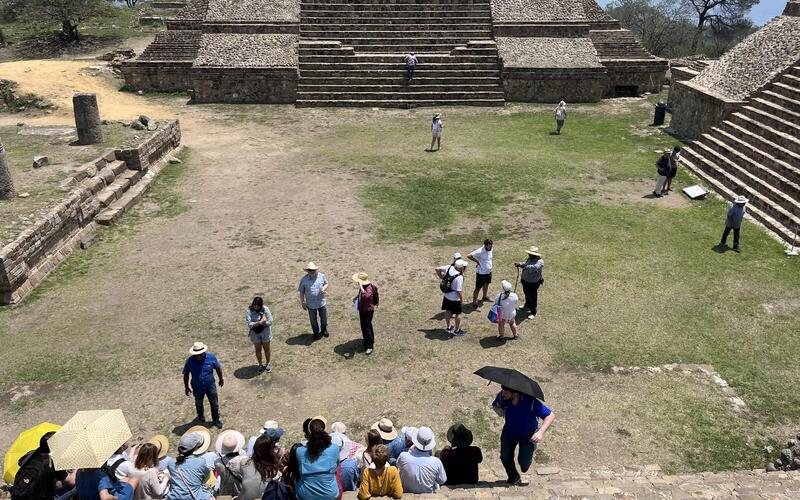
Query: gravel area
(537, 10)
(755, 61)
(254, 10)
(547, 52)
(247, 51)
(195, 9)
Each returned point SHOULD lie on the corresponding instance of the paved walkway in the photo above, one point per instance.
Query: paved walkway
(643, 482)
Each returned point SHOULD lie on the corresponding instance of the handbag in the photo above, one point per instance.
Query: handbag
(494, 311)
(257, 329)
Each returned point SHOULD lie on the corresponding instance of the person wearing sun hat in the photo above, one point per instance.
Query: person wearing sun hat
(229, 445)
(190, 472)
(506, 311)
(733, 221)
(531, 279)
(461, 459)
(420, 471)
(272, 430)
(452, 286)
(162, 443)
(365, 302)
(313, 290)
(201, 365)
(391, 438)
(350, 476)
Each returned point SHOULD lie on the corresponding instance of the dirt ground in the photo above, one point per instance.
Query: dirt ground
(256, 215)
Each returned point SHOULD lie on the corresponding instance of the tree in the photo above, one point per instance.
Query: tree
(7, 190)
(660, 25)
(68, 13)
(718, 14)
(132, 3)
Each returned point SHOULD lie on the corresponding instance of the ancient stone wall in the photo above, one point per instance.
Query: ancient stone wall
(27, 260)
(151, 76)
(554, 84)
(645, 77)
(245, 85)
(695, 110)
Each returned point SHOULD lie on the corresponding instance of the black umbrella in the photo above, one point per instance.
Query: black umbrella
(512, 379)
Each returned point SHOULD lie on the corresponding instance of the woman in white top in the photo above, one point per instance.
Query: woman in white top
(436, 132)
(506, 311)
(153, 484)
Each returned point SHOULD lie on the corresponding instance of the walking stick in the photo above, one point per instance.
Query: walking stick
(516, 281)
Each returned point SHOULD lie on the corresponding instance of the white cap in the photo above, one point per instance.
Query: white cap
(456, 255)
(460, 264)
(506, 286)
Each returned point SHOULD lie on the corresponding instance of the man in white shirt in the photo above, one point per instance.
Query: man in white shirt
(452, 286)
(420, 471)
(483, 273)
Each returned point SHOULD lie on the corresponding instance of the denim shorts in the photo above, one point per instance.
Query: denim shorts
(260, 338)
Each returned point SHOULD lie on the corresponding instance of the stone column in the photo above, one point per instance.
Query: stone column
(6, 182)
(87, 118)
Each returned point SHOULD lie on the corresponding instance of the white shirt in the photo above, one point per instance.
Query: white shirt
(125, 468)
(561, 113)
(420, 472)
(484, 258)
(508, 305)
(457, 283)
(436, 127)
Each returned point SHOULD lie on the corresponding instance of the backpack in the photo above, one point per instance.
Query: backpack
(111, 470)
(30, 482)
(375, 298)
(663, 165)
(446, 285)
(278, 490)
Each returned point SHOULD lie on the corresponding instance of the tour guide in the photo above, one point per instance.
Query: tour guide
(201, 365)
(522, 414)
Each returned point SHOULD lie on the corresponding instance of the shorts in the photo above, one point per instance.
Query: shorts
(261, 338)
(482, 279)
(672, 173)
(454, 306)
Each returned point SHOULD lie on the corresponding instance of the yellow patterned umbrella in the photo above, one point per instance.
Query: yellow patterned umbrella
(26, 441)
(88, 439)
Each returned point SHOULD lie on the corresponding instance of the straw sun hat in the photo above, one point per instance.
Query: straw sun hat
(204, 435)
(533, 250)
(361, 278)
(162, 443)
(198, 348)
(311, 267)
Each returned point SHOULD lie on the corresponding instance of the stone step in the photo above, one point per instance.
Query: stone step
(758, 199)
(304, 3)
(373, 27)
(394, 7)
(785, 89)
(397, 43)
(428, 73)
(381, 66)
(403, 12)
(758, 127)
(399, 80)
(345, 50)
(399, 103)
(396, 59)
(693, 161)
(492, 86)
(419, 49)
(771, 120)
(388, 20)
(761, 157)
(112, 192)
(762, 144)
(790, 104)
(775, 109)
(390, 36)
(411, 94)
(760, 176)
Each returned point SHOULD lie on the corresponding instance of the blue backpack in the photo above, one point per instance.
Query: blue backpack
(278, 490)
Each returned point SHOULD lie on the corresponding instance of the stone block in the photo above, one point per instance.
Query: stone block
(116, 166)
(107, 196)
(40, 161)
(107, 175)
(547, 471)
(94, 185)
(132, 175)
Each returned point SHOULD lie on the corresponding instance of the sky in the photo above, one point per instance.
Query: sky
(761, 13)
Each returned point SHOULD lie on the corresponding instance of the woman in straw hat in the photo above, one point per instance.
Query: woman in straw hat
(436, 132)
(365, 303)
(532, 279)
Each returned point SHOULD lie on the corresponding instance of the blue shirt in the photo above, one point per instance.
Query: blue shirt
(735, 215)
(202, 372)
(522, 418)
(396, 447)
(311, 288)
(123, 491)
(318, 478)
(86, 482)
(351, 476)
(195, 470)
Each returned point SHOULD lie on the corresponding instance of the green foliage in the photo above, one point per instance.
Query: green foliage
(69, 14)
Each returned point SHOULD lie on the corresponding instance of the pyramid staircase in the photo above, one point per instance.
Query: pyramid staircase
(756, 152)
(351, 53)
(173, 45)
(617, 44)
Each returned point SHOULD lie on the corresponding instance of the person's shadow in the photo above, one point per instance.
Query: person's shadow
(180, 430)
(490, 342)
(435, 334)
(719, 248)
(246, 372)
(348, 349)
(305, 339)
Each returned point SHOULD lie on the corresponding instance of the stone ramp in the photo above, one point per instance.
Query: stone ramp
(756, 152)
(644, 482)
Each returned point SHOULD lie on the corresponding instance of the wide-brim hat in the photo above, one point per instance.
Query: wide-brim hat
(162, 443)
(459, 436)
(339, 427)
(323, 419)
(741, 199)
(238, 444)
(199, 429)
(361, 278)
(385, 428)
(506, 285)
(198, 348)
(533, 250)
(344, 443)
(423, 439)
(310, 267)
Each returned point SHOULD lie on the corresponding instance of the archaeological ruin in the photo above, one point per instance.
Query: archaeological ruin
(743, 111)
(350, 53)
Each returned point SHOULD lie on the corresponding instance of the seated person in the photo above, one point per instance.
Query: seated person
(420, 471)
(383, 480)
(461, 459)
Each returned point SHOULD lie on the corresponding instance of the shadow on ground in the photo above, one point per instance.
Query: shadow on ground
(302, 339)
(246, 372)
(180, 430)
(435, 334)
(348, 349)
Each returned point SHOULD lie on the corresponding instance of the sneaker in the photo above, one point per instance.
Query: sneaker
(268, 368)
(325, 333)
(200, 420)
(450, 329)
(531, 316)
(736, 249)
(514, 482)
(218, 424)
(261, 368)
(656, 194)
(459, 333)
(368, 352)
